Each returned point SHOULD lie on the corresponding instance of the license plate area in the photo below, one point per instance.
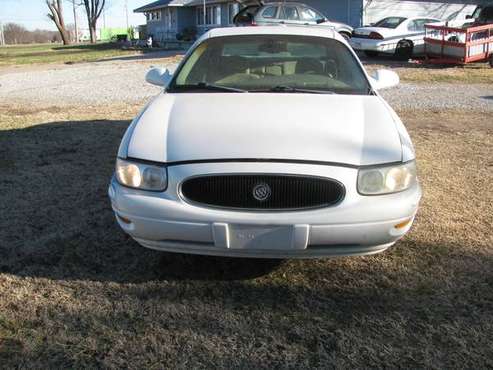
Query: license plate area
(260, 237)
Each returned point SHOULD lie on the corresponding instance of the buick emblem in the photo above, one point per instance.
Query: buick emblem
(261, 192)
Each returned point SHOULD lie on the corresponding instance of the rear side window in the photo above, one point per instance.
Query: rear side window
(419, 24)
(290, 13)
(270, 12)
(308, 14)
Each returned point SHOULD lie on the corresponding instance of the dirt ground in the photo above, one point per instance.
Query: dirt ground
(76, 292)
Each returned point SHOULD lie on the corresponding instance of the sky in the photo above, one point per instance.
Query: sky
(32, 13)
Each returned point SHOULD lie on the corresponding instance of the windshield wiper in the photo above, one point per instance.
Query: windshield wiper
(291, 89)
(208, 86)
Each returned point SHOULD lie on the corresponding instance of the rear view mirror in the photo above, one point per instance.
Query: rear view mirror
(384, 78)
(160, 76)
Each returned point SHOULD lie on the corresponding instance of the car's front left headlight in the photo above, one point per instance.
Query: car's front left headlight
(140, 175)
(387, 179)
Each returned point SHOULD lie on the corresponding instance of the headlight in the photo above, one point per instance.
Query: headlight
(385, 180)
(141, 175)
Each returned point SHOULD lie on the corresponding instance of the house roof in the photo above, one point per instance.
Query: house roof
(161, 4)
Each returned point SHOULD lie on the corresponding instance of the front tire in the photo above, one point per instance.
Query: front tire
(404, 50)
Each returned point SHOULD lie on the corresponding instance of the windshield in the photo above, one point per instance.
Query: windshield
(390, 22)
(278, 63)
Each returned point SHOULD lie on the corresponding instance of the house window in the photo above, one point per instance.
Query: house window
(212, 15)
(153, 16)
(233, 9)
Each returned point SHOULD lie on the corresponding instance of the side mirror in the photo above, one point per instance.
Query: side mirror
(321, 20)
(160, 76)
(384, 78)
(469, 16)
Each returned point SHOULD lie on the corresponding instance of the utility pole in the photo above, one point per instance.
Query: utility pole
(2, 37)
(126, 12)
(75, 22)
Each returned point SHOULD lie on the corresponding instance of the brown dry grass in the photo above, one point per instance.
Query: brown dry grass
(75, 292)
(475, 73)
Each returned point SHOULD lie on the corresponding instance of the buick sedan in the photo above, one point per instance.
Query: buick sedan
(267, 142)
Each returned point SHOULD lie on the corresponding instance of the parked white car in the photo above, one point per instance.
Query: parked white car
(403, 37)
(267, 142)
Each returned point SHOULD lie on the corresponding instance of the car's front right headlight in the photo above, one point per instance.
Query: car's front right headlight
(387, 179)
(140, 175)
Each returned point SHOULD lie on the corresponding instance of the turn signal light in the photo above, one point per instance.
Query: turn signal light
(403, 224)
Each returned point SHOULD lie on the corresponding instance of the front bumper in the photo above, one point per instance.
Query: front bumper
(359, 225)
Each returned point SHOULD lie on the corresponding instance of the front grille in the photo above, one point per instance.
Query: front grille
(263, 192)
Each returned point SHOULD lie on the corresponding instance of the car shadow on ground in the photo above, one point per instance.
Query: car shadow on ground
(56, 218)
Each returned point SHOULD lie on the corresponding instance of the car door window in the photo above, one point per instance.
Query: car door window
(414, 26)
(290, 13)
(420, 24)
(309, 15)
(270, 12)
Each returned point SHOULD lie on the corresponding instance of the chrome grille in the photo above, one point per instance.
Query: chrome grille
(263, 191)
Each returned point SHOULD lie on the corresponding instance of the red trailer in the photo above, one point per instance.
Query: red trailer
(453, 45)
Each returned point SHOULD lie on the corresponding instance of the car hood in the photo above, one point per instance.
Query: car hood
(346, 129)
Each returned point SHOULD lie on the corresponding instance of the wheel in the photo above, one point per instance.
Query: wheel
(371, 53)
(404, 50)
(346, 35)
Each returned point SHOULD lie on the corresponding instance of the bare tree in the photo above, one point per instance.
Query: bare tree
(94, 8)
(56, 15)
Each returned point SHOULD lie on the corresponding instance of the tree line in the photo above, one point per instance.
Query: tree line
(17, 34)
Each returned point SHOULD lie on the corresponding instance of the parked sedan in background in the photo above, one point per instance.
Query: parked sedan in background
(267, 142)
(277, 13)
(403, 37)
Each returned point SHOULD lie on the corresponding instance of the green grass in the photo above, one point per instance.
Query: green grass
(56, 53)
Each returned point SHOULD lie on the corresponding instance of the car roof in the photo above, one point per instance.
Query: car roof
(275, 30)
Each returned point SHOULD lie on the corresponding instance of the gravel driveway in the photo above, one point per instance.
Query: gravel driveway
(122, 80)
